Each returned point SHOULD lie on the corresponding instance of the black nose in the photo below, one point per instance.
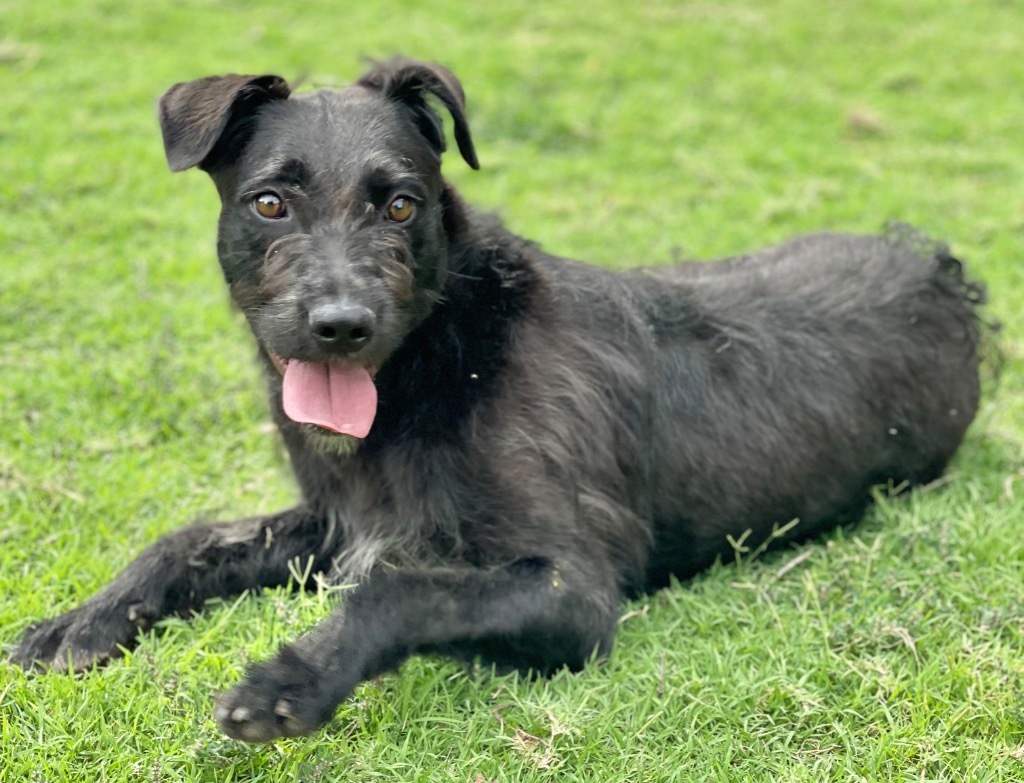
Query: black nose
(341, 325)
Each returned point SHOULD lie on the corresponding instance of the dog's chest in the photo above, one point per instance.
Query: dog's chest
(401, 511)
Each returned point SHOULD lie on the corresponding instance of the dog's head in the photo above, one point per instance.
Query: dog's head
(333, 235)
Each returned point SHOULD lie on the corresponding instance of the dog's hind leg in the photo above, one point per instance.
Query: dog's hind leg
(175, 575)
(539, 615)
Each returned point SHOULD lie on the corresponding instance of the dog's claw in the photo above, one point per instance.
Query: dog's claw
(141, 615)
(281, 697)
(255, 725)
(241, 714)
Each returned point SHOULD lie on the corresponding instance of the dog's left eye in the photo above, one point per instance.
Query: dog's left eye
(269, 205)
(400, 209)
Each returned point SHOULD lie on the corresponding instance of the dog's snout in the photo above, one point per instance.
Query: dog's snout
(342, 326)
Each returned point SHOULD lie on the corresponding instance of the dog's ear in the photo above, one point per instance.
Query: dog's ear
(407, 81)
(209, 121)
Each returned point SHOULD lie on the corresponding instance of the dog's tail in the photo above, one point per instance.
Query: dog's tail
(953, 284)
(951, 274)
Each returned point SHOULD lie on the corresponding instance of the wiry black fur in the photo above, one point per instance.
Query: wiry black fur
(550, 437)
(467, 334)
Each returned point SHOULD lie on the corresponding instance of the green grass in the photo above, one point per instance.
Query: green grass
(129, 401)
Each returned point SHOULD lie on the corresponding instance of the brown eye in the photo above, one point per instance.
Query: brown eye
(400, 209)
(269, 205)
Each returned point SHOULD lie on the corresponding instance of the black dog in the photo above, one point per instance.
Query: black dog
(496, 444)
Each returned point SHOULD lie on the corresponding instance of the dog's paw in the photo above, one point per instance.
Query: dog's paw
(81, 638)
(280, 698)
(39, 643)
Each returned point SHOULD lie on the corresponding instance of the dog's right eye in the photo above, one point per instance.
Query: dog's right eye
(269, 205)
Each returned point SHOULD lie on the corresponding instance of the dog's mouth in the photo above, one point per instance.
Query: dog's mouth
(335, 396)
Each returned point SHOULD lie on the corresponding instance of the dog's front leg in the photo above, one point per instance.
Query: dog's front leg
(533, 613)
(176, 574)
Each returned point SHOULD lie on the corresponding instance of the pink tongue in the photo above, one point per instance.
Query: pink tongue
(340, 398)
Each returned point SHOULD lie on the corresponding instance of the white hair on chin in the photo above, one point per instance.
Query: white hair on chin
(331, 442)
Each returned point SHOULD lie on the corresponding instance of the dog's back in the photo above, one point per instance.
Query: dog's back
(795, 379)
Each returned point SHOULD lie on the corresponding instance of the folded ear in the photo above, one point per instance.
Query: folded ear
(407, 81)
(208, 122)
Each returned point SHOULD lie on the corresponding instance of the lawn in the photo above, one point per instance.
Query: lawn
(621, 133)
